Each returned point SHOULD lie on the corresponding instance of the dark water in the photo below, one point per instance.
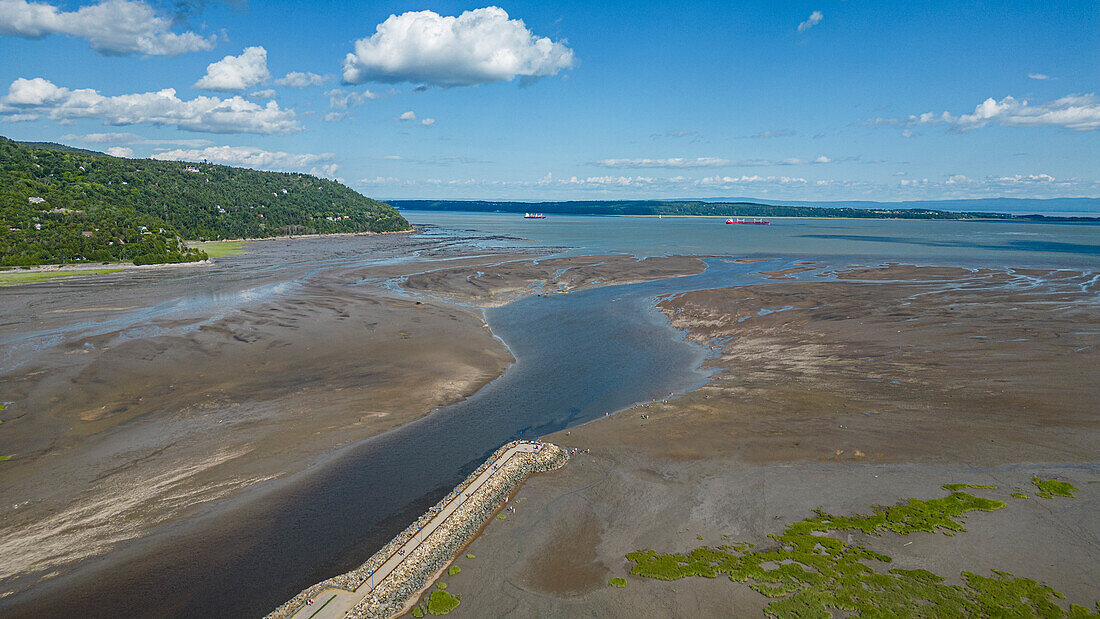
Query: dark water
(579, 356)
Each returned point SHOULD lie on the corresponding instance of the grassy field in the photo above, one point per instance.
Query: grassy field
(15, 278)
(219, 249)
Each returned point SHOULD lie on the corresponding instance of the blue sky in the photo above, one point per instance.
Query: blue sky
(837, 100)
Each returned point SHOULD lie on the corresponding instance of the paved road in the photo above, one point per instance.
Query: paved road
(334, 603)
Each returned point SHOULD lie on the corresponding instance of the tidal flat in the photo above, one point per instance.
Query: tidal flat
(229, 429)
(846, 389)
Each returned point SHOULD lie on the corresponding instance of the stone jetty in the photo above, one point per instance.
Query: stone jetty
(364, 596)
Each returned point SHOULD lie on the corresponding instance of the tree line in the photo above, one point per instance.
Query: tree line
(62, 206)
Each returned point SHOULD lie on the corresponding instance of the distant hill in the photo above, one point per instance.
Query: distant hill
(1083, 207)
(61, 147)
(60, 205)
(706, 208)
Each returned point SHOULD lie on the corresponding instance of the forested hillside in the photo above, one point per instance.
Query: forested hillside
(59, 207)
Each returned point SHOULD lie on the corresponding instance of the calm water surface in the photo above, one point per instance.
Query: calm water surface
(947, 242)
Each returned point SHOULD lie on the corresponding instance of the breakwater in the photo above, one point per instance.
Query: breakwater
(471, 504)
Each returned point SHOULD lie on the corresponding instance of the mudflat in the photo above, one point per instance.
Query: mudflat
(841, 391)
(141, 398)
(506, 281)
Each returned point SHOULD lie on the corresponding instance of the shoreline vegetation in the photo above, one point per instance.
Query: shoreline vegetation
(60, 205)
(809, 570)
(697, 208)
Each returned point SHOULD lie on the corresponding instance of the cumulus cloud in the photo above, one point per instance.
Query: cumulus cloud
(298, 79)
(811, 21)
(427, 122)
(477, 47)
(407, 116)
(729, 181)
(1076, 112)
(120, 151)
(267, 93)
(705, 162)
(256, 158)
(234, 73)
(332, 117)
(129, 138)
(30, 99)
(341, 99)
(112, 27)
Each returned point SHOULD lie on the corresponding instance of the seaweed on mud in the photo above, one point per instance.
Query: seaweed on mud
(1050, 488)
(810, 573)
(440, 602)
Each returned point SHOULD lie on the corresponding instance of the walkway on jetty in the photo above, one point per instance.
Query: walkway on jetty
(333, 603)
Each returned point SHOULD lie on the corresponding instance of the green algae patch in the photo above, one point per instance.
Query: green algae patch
(617, 582)
(811, 573)
(1050, 488)
(1018, 495)
(441, 602)
(418, 612)
(3, 458)
(470, 556)
(954, 487)
(454, 569)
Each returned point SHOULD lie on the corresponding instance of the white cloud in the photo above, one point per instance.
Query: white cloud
(236, 72)
(407, 116)
(112, 27)
(129, 138)
(256, 158)
(1035, 185)
(29, 99)
(730, 181)
(1077, 112)
(671, 162)
(120, 151)
(380, 180)
(267, 93)
(341, 99)
(298, 79)
(1040, 76)
(705, 162)
(813, 20)
(427, 122)
(477, 47)
(332, 117)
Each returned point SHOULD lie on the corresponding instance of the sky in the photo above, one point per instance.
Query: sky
(821, 100)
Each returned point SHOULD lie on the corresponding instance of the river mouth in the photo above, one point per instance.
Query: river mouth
(579, 356)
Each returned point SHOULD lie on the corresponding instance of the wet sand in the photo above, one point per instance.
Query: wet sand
(145, 401)
(122, 418)
(508, 281)
(852, 389)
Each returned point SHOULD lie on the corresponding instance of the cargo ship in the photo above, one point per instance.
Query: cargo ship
(750, 222)
(534, 216)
